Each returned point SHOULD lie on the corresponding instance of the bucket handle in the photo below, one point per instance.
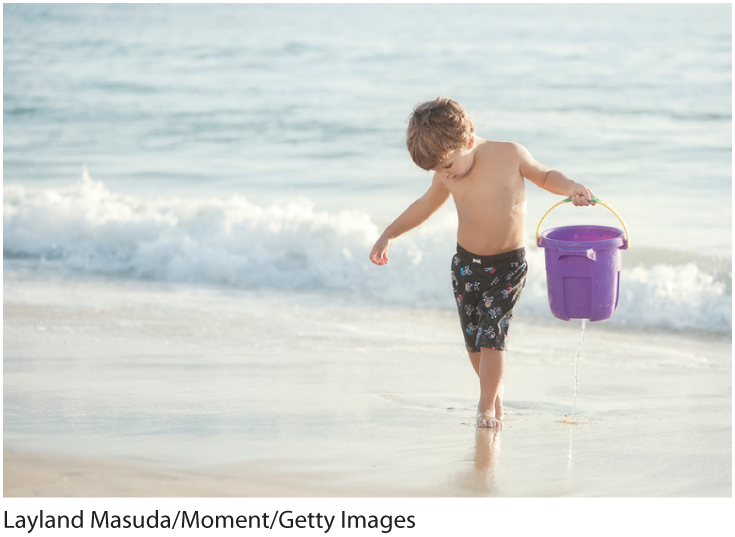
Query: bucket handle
(594, 200)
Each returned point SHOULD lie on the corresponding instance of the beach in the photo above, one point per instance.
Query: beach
(191, 320)
(170, 391)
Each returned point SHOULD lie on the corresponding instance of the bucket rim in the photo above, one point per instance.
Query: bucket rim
(594, 201)
(544, 241)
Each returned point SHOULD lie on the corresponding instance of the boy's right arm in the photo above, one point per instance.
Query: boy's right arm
(416, 214)
(552, 180)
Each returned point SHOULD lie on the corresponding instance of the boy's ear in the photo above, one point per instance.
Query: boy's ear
(471, 142)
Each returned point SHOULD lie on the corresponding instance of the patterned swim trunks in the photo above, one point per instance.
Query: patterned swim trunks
(487, 288)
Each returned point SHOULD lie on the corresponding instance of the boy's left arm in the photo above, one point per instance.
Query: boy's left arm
(552, 180)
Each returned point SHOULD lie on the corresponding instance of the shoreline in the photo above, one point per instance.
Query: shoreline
(125, 390)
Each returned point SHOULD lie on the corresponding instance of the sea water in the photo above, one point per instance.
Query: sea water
(191, 193)
(261, 148)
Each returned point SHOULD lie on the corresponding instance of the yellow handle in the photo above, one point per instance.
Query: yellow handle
(594, 200)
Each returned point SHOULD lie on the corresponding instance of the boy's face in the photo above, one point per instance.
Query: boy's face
(458, 163)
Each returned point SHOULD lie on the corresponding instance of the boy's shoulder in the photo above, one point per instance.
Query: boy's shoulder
(498, 145)
(499, 149)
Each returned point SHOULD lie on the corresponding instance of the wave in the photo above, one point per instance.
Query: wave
(291, 247)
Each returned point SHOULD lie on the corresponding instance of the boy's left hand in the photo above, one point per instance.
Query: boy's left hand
(581, 195)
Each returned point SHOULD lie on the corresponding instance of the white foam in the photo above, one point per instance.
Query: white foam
(682, 297)
(292, 247)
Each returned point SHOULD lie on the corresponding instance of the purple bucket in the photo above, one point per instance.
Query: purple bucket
(583, 269)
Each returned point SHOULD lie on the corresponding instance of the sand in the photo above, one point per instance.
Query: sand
(134, 389)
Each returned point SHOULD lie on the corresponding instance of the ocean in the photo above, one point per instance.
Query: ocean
(262, 146)
(191, 193)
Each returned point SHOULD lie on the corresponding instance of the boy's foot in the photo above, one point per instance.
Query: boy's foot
(489, 419)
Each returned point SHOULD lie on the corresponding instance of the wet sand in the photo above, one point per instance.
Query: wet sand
(42, 475)
(115, 389)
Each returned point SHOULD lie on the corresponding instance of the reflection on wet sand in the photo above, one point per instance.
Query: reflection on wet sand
(480, 480)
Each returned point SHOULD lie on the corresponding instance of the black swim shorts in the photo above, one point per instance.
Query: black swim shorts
(487, 288)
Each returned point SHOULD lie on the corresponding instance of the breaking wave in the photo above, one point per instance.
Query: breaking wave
(291, 247)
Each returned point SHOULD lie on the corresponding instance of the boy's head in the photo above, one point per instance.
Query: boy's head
(435, 129)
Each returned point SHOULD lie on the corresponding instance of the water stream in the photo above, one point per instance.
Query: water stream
(569, 418)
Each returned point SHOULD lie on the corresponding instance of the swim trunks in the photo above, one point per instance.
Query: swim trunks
(487, 288)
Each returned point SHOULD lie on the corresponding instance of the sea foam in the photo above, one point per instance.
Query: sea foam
(291, 247)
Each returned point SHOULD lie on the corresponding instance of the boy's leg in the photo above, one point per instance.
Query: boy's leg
(489, 364)
(475, 359)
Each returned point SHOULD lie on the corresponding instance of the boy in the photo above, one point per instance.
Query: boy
(485, 178)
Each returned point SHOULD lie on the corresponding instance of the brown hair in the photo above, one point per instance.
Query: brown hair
(435, 129)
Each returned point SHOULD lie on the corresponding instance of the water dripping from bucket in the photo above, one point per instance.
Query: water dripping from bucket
(569, 418)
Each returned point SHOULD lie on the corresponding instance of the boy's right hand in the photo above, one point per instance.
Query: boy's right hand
(378, 255)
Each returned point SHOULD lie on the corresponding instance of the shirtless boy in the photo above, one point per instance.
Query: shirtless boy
(486, 180)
